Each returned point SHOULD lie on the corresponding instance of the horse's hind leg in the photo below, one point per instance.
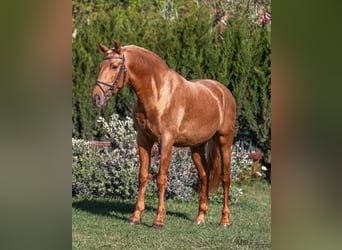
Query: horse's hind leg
(198, 156)
(226, 142)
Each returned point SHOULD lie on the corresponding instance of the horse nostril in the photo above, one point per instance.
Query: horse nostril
(97, 99)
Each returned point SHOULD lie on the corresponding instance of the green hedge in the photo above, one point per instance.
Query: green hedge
(187, 37)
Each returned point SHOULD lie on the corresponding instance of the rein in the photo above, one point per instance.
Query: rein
(116, 81)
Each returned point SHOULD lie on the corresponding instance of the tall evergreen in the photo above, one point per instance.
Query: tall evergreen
(260, 90)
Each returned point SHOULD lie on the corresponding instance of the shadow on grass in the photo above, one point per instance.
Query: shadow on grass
(118, 209)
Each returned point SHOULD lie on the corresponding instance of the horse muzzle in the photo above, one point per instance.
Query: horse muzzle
(99, 101)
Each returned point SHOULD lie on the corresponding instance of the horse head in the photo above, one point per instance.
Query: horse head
(112, 74)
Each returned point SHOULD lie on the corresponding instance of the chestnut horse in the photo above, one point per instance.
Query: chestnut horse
(172, 111)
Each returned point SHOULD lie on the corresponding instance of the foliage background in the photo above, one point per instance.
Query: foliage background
(189, 36)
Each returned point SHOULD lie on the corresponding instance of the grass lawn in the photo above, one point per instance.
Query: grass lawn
(102, 224)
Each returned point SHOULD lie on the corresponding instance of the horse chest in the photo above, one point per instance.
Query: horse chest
(147, 124)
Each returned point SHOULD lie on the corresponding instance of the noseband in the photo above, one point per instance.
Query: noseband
(116, 81)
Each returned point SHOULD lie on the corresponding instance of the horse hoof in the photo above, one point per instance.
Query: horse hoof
(225, 225)
(157, 226)
(133, 222)
(199, 222)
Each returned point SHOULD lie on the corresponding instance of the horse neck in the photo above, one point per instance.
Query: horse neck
(145, 75)
(146, 88)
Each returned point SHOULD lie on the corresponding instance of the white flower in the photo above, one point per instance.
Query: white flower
(258, 173)
(264, 168)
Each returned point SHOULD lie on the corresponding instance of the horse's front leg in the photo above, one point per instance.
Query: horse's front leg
(166, 151)
(144, 147)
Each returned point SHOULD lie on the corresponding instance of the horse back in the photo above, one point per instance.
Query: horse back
(217, 91)
(226, 103)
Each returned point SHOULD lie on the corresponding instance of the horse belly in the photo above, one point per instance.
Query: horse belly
(196, 133)
(184, 141)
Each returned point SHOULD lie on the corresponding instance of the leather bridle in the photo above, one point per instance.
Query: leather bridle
(116, 81)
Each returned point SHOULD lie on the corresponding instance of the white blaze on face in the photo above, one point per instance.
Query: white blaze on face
(109, 51)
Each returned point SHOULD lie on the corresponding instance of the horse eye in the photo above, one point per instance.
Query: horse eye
(113, 66)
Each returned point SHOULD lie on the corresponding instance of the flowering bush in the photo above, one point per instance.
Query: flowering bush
(240, 162)
(113, 171)
(250, 164)
(99, 172)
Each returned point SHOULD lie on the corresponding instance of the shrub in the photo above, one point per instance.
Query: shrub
(240, 163)
(87, 181)
(113, 171)
(96, 172)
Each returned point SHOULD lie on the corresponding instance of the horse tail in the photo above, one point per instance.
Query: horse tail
(214, 165)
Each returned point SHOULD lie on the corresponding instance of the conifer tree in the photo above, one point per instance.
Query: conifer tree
(260, 89)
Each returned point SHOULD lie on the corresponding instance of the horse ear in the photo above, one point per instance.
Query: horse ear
(117, 46)
(103, 48)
